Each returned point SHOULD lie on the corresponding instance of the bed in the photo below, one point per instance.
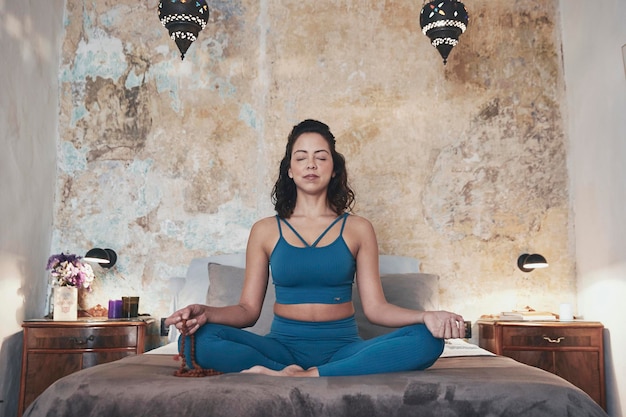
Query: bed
(465, 381)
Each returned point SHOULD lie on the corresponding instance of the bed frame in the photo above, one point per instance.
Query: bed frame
(465, 381)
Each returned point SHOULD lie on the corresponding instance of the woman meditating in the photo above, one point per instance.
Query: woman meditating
(316, 250)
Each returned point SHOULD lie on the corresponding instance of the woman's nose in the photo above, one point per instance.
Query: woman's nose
(311, 164)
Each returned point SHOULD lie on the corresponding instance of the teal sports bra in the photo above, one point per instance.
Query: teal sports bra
(312, 274)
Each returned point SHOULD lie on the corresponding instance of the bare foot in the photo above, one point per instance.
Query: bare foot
(291, 370)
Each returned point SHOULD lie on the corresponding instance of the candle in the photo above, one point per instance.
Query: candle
(115, 309)
(130, 306)
(118, 309)
(565, 312)
(111, 312)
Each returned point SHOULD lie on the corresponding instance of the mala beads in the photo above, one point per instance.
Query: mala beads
(196, 370)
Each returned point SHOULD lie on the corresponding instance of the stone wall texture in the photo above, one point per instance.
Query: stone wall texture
(462, 166)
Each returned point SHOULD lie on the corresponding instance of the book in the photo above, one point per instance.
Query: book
(527, 315)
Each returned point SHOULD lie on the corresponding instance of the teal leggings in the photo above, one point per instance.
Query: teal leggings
(334, 347)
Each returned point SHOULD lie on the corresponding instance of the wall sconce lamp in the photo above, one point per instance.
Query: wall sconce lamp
(528, 262)
(184, 19)
(105, 257)
(443, 21)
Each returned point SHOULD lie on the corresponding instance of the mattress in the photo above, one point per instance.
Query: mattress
(465, 381)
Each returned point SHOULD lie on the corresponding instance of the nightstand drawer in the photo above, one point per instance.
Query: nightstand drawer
(81, 338)
(550, 337)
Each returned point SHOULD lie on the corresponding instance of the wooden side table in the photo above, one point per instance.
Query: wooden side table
(54, 349)
(573, 350)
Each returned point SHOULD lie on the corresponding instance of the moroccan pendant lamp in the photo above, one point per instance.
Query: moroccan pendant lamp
(443, 21)
(184, 19)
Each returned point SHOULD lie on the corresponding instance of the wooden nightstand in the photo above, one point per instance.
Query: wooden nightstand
(53, 349)
(573, 350)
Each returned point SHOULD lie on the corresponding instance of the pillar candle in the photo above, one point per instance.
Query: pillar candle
(115, 309)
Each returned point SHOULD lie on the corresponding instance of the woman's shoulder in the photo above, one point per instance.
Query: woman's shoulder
(355, 221)
(264, 233)
(265, 222)
(355, 218)
(359, 233)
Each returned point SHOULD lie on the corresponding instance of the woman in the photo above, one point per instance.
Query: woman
(315, 250)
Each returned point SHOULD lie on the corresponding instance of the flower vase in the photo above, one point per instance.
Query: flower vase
(65, 303)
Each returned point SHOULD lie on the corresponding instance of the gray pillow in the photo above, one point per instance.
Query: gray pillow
(411, 290)
(225, 284)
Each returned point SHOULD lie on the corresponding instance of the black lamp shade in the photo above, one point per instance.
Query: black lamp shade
(184, 19)
(105, 257)
(528, 262)
(443, 21)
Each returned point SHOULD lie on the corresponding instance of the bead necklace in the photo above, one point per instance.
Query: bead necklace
(196, 370)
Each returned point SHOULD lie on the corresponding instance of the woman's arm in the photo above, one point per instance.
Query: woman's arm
(244, 314)
(441, 324)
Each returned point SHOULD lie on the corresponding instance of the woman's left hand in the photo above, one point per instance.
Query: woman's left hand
(444, 325)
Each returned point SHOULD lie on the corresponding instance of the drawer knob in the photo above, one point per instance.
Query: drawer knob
(79, 341)
(558, 340)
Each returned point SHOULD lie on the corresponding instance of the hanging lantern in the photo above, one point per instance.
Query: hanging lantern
(184, 19)
(443, 21)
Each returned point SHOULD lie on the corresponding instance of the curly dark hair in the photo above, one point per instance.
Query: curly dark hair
(340, 195)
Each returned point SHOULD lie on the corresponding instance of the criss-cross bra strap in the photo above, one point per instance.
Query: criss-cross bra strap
(343, 216)
(314, 244)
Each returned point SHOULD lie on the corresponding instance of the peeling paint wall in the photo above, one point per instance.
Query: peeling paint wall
(462, 166)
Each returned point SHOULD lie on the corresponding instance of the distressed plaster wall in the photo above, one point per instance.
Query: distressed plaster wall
(461, 166)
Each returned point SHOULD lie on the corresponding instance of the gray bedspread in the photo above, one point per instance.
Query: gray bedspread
(144, 385)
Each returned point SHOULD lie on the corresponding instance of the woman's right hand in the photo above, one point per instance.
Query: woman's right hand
(189, 319)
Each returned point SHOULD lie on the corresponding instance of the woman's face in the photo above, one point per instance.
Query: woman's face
(311, 165)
